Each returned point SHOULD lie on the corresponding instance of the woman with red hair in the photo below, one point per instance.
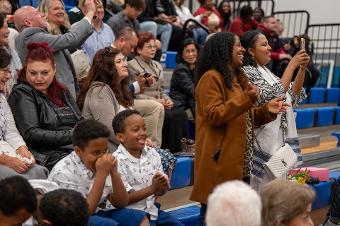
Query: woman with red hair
(44, 110)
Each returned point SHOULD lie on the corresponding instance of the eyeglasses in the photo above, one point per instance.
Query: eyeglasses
(6, 70)
(150, 46)
(108, 51)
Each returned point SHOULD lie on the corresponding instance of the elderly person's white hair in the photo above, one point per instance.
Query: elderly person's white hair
(234, 203)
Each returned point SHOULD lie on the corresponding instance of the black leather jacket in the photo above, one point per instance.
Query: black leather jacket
(182, 88)
(40, 123)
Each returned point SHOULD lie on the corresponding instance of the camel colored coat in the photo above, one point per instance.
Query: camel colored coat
(221, 120)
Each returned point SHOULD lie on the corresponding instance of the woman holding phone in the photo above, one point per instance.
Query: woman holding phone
(270, 137)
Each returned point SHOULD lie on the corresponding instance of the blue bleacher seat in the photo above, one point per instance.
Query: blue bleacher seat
(337, 135)
(182, 175)
(323, 195)
(325, 116)
(335, 175)
(170, 60)
(333, 95)
(337, 115)
(304, 118)
(317, 95)
(187, 216)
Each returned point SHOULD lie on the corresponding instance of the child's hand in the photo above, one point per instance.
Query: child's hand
(159, 183)
(105, 164)
(115, 166)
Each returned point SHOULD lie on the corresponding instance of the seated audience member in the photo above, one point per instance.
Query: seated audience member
(56, 17)
(32, 29)
(286, 203)
(258, 14)
(44, 110)
(62, 207)
(15, 63)
(136, 161)
(17, 201)
(101, 37)
(150, 17)
(152, 111)
(244, 22)
(234, 203)
(210, 15)
(183, 13)
(128, 16)
(182, 88)
(142, 64)
(15, 158)
(224, 8)
(92, 171)
(105, 91)
(277, 53)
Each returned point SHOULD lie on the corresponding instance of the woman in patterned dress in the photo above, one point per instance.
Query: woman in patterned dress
(270, 137)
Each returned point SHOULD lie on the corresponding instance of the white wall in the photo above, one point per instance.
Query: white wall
(321, 11)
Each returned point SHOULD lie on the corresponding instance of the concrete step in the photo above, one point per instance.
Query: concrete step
(309, 140)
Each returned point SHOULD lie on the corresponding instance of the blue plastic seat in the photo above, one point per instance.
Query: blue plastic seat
(304, 118)
(337, 115)
(187, 216)
(323, 195)
(317, 95)
(325, 116)
(333, 95)
(183, 173)
(337, 135)
(170, 60)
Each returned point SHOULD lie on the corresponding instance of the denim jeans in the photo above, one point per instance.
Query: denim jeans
(164, 30)
(199, 34)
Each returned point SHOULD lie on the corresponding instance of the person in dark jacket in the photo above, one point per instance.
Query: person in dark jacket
(44, 110)
(182, 88)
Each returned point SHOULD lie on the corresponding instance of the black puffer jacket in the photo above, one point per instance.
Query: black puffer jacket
(182, 88)
(45, 128)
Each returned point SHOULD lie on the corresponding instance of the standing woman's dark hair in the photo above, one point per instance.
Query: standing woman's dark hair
(248, 40)
(217, 54)
(103, 69)
(185, 43)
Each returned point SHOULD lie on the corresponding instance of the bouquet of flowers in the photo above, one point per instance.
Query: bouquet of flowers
(303, 177)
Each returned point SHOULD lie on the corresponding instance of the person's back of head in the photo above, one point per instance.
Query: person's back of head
(27, 16)
(286, 201)
(17, 200)
(234, 203)
(138, 5)
(246, 12)
(63, 207)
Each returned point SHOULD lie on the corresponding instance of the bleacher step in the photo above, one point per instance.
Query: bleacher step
(309, 140)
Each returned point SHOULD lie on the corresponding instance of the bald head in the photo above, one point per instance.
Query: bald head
(27, 16)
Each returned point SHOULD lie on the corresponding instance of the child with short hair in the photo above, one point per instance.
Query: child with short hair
(93, 172)
(140, 167)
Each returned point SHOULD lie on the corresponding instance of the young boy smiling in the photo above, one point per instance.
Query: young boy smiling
(140, 167)
(93, 172)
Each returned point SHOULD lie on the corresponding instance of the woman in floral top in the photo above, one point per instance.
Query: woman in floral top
(270, 137)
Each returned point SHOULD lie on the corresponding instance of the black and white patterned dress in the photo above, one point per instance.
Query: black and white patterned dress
(273, 135)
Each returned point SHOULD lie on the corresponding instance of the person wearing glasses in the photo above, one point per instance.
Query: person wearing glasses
(44, 110)
(15, 158)
(143, 63)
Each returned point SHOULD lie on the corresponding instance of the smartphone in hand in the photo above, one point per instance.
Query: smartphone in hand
(302, 44)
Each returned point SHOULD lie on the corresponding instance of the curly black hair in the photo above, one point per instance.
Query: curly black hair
(64, 207)
(217, 54)
(248, 40)
(16, 193)
(88, 129)
(118, 122)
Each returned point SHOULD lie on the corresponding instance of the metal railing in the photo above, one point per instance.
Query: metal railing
(325, 39)
(266, 5)
(188, 21)
(295, 22)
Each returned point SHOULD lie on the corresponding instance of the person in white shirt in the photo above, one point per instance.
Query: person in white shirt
(90, 170)
(140, 167)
